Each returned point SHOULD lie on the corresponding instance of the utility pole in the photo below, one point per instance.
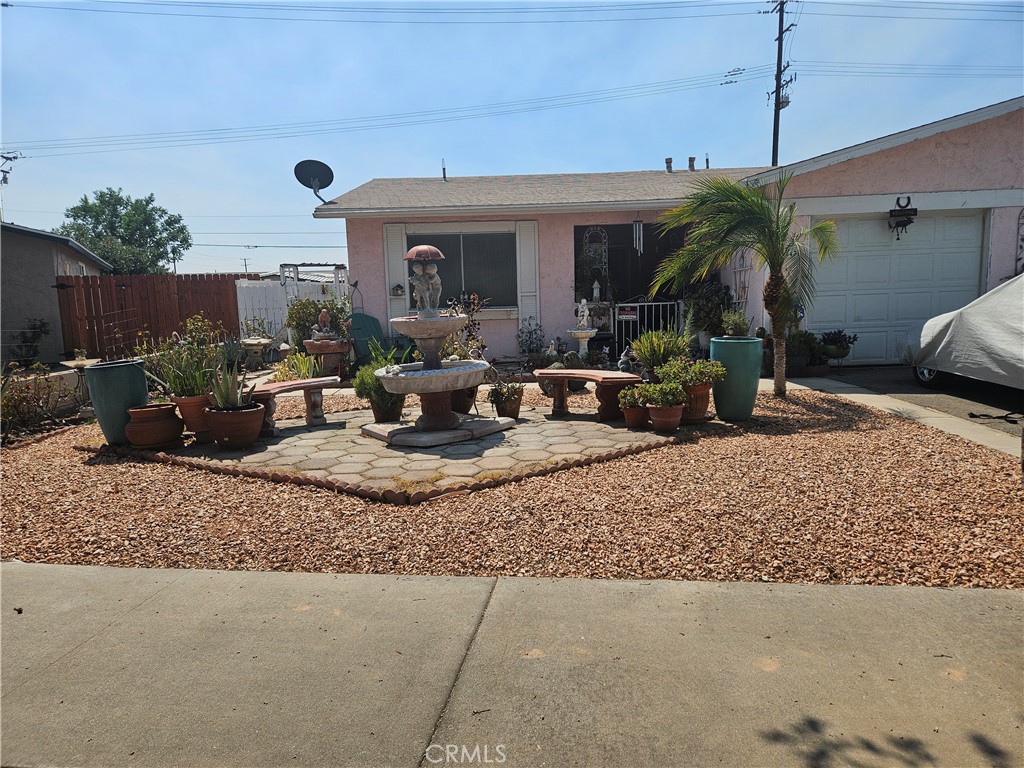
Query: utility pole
(781, 100)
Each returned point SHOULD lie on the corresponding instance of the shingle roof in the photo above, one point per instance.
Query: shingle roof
(547, 192)
(69, 242)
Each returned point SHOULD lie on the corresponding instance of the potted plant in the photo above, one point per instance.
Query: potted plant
(155, 425)
(735, 323)
(655, 348)
(506, 397)
(634, 407)
(234, 419)
(386, 406)
(665, 403)
(837, 343)
(696, 378)
(182, 365)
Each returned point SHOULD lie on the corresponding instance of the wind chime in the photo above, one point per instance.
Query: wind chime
(638, 236)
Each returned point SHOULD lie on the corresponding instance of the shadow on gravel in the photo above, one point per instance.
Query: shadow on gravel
(816, 745)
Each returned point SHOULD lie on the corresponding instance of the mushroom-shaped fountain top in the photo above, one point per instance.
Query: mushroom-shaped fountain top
(424, 253)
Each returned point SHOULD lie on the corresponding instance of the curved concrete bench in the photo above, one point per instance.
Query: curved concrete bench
(312, 391)
(609, 384)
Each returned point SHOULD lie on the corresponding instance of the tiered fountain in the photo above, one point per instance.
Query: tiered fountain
(432, 379)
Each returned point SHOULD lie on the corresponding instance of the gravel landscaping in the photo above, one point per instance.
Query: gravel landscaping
(813, 489)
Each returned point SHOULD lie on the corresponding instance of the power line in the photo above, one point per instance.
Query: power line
(242, 245)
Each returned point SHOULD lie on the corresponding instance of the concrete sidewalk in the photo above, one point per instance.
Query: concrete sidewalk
(126, 667)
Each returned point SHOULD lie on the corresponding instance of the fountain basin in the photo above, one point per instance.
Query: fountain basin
(439, 327)
(413, 380)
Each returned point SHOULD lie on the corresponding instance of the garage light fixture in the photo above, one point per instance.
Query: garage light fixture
(901, 217)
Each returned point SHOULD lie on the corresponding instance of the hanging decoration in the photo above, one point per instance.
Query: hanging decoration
(638, 236)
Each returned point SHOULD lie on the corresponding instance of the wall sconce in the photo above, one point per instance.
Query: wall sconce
(901, 217)
(398, 290)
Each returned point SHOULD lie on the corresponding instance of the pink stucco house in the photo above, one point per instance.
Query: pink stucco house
(537, 244)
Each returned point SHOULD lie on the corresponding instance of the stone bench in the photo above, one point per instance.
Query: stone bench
(609, 384)
(312, 391)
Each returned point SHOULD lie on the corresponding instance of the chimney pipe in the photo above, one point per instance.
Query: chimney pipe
(668, 165)
(693, 163)
(707, 160)
(444, 171)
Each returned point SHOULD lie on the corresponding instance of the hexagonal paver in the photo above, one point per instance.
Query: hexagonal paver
(531, 455)
(496, 462)
(389, 461)
(381, 472)
(349, 468)
(461, 470)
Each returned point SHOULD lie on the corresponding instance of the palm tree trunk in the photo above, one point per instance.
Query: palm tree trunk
(779, 349)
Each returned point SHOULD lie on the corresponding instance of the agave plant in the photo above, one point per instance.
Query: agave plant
(228, 388)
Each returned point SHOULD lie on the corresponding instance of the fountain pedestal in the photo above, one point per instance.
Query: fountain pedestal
(582, 336)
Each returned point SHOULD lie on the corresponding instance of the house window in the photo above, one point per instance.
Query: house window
(476, 262)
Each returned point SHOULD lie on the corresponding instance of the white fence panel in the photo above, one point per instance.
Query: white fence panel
(268, 301)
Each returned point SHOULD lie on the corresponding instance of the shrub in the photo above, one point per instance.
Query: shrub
(838, 338)
(800, 343)
(303, 314)
(30, 399)
(654, 348)
(689, 373)
(298, 366)
(663, 395)
(632, 397)
(735, 323)
(707, 301)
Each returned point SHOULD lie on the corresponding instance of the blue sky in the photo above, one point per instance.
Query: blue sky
(80, 70)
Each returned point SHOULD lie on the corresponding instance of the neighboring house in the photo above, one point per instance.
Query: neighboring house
(31, 263)
(965, 177)
(535, 244)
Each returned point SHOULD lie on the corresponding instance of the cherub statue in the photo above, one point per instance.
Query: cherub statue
(583, 315)
(433, 285)
(419, 286)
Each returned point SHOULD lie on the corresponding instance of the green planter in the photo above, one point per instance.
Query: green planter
(741, 356)
(114, 387)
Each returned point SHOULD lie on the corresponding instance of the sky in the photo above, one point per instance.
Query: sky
(209, 105)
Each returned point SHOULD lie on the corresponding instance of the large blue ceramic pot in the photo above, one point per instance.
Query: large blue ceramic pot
(114, 387)
(741, 356)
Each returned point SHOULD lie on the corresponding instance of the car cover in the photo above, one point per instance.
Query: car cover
(984, 340)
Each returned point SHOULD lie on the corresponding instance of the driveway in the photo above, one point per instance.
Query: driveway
(956, 396)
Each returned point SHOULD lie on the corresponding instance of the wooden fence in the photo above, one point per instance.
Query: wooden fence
(105, 315)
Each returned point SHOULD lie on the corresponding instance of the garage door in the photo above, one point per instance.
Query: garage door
(880, 287)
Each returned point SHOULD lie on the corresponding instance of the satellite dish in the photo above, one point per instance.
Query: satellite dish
(315, 175)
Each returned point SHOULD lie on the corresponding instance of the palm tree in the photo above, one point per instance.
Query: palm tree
(727, 216)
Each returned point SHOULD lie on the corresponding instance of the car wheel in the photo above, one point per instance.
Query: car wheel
(927, 377)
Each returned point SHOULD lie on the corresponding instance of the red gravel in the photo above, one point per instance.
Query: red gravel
(813, 489)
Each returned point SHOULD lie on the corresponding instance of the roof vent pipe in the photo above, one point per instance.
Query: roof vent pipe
(668, 165)
(707, 160)
(444, 171)
(693, 163)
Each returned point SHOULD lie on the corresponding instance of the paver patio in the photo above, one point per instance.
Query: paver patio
(338, 455)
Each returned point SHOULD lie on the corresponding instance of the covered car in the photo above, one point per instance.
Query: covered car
(984, 340)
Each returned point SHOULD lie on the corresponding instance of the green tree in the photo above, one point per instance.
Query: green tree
(725, 216)
(137, 236)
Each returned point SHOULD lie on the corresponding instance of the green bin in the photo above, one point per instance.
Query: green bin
(114, 387)
(741, 356)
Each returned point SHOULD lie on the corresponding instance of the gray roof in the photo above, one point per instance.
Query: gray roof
(54, 237)
(645, 190)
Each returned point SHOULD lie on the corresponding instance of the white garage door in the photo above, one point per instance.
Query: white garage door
(879, 287)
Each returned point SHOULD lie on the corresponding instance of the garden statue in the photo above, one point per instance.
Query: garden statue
(322, 330)
(625, 361)
(420, 291)
(583, 315)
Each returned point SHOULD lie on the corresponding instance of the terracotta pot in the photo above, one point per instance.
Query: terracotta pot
(153, 426)
(510, 408)
(636, 417)
(698, 398)
(463, 399)
(193, 411)
(235, 428)
(383, 414)
(665, 418)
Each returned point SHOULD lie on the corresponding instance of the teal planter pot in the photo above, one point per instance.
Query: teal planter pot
(114, 387)
(741, 356)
